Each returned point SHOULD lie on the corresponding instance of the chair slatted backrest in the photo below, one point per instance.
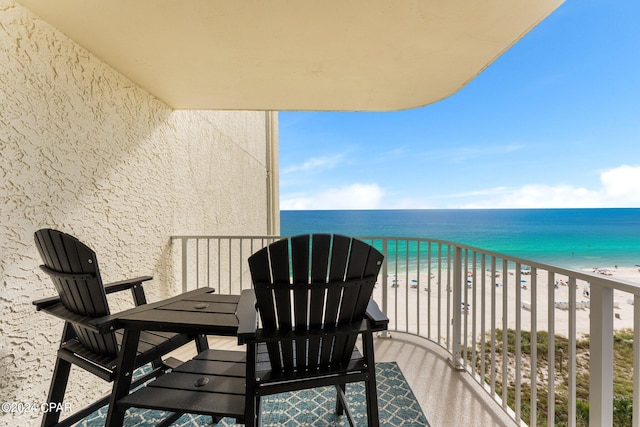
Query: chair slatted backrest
(73, 268)
(312, 285)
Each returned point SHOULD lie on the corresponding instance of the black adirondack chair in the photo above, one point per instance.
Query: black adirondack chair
(88, 339)
(313, 296)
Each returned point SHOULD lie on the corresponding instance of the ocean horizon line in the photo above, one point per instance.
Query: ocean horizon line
(571, 237)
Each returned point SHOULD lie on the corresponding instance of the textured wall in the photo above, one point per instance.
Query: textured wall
(86, 151)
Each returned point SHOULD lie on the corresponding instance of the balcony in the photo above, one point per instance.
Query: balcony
(448, 306)
(89, 142)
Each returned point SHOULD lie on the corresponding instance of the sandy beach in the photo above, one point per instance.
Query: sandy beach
(406, 292)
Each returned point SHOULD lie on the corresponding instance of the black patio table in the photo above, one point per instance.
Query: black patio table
(196, 312)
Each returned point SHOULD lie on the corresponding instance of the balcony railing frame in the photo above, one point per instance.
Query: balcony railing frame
(220, 262)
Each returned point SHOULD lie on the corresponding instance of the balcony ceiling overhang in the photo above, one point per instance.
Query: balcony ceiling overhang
(340, 55)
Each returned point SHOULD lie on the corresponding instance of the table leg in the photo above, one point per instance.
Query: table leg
(124, 372)
(202, 343)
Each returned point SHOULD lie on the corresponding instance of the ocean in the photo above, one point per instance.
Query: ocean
(575, 238)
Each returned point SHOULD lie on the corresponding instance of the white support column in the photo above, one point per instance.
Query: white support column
(601, 357)
(273, 175)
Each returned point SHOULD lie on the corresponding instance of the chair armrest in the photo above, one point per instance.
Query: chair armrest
(43, 303)
(100, 325)
(137, 291)
(125, 284)
(375, 315)
(247, 316)
(109, 288)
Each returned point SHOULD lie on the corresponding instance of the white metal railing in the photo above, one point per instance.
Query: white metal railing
(485, 309)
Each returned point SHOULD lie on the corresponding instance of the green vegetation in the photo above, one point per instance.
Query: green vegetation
(623, 383)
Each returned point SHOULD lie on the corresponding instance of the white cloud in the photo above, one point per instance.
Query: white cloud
(620, 188)
(622, 184)
(354, 196)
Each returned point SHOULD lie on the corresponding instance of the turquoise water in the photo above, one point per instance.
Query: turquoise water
(577, 238)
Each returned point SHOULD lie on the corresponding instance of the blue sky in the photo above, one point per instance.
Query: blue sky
(554, 122)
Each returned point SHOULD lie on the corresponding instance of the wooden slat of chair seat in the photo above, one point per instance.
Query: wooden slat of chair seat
(77, 354)
(77, 348)
(151, 346)
(149, 340)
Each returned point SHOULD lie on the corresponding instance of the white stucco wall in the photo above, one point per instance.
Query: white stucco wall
(86, 151)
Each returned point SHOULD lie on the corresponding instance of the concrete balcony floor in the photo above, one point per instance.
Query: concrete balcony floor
(447, 397)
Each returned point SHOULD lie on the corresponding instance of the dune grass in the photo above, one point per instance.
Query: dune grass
(623, 383)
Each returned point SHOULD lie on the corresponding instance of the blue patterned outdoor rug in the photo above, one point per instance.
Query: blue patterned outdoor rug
(315, 407)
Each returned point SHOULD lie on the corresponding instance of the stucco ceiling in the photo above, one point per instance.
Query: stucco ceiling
(350, 55)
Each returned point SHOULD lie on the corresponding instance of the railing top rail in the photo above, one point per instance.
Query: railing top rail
(617, 283)
(193, 236)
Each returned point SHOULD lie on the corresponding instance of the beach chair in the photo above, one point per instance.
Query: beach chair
(88, 339)
(312, 294)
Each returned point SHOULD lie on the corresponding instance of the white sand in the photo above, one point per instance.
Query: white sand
(404, 298)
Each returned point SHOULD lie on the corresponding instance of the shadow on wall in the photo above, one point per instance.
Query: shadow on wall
(86, 151)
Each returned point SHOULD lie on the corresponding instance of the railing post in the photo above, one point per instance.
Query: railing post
(184, 264)
(385, 274)
(601, 357)
(636, 362)
(551, 355)
(456, 351)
